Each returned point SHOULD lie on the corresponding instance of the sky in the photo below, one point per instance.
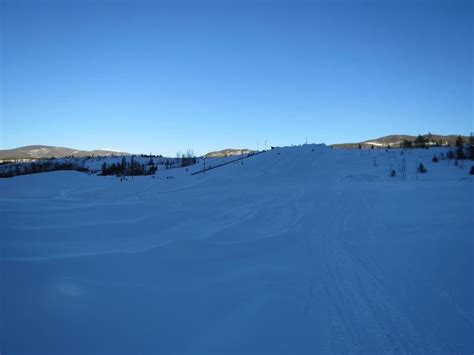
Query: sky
(162, 77)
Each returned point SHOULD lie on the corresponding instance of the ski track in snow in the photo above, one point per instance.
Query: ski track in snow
(311, 250)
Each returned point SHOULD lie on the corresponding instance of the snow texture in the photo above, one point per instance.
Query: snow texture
(298, 250)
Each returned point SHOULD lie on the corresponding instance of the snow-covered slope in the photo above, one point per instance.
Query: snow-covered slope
(295, 251)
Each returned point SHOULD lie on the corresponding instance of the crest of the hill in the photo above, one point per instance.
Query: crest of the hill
(228, 153)
(398, 140)
(44, 152)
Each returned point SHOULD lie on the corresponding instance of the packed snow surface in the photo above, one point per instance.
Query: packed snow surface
(298, 250)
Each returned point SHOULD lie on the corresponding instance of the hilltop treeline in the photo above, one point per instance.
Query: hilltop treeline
(132, 168)
(427, 141)
(461, 149)
(130, 165)
(406, 141)
(41, 167)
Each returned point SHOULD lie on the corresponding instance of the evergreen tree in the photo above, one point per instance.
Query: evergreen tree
(123, 166)
(459, 142)
(407, 144)
(420, 141)
(113, 169)
(459, 148)
(471, 147)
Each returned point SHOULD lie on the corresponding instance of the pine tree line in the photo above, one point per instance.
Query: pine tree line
(132, 168)
(41, 167)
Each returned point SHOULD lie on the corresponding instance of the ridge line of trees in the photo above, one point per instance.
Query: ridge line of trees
(36, 167)
(125, 168)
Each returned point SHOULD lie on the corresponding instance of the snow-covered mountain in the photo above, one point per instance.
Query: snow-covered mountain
(44, 151)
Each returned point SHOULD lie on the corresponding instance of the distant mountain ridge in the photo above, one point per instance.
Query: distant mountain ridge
(45, 151)
(396, 140)
(228, 153)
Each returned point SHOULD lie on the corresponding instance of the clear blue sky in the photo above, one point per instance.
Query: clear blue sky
(159, 77)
